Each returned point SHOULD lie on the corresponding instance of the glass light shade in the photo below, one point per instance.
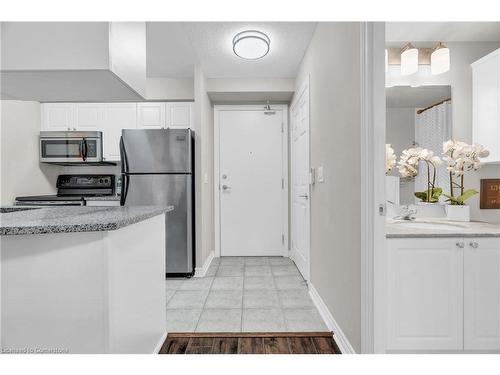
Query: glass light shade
(409, 61)
(251, 44)
(440, 60)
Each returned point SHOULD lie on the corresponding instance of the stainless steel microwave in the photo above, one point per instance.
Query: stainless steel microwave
(71, 148)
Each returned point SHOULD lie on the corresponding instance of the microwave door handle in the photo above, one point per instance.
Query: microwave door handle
(85, 149)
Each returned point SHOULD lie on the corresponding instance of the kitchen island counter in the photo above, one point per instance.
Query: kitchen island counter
(73, 219)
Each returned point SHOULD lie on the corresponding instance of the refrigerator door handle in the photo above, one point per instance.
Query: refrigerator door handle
(125, 184)
(123, 156)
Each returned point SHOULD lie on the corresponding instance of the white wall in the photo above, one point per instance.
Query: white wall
(158, 88)
(204, 194)
(335, 120)
(400, 133)
(21, 173)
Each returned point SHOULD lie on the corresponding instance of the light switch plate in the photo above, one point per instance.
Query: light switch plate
(320, 177)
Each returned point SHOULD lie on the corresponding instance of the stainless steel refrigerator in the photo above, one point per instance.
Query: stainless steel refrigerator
(157, 169)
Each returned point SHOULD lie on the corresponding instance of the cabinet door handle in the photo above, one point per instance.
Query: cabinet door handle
(460, 245)
(474, 245)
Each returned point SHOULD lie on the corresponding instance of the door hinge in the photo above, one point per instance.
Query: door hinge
(282, 183)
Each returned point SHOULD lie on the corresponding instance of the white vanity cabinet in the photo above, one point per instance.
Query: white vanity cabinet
(424, 294)
(443, 294)
(486, 104)
(482, 294)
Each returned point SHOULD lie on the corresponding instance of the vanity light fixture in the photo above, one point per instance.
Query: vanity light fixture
(251, 44)
(409, 60)
(440, 59)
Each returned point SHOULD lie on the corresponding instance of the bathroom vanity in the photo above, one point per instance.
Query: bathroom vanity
(442, 286)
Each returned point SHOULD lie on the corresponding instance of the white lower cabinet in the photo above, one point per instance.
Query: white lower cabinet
(443, 294)
(482, 294)
(424, 294)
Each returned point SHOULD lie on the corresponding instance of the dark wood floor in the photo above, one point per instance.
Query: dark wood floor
(250, 343)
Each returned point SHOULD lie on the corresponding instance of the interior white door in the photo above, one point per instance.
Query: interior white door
(300, 183)
(250, 180)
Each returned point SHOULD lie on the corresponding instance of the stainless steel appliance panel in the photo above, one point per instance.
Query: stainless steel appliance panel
(164, 190)
(156, 151)
(70, 147)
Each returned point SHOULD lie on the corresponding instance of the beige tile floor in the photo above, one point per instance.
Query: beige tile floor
(243, 294)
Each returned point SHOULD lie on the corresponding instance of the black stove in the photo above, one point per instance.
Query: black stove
(72, 191)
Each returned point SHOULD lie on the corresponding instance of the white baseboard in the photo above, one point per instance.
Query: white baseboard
(341, 340)
(160, 343)
(201, 271)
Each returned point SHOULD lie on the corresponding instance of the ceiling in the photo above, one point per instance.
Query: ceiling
(442, 31)
(174, 48)
(416, 97)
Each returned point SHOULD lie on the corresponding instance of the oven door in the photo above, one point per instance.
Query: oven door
(68, 150)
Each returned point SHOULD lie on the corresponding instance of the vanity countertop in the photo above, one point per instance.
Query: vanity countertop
(35, 220)
(437, 228)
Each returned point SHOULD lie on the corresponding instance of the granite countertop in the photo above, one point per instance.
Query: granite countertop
(20, 220)
(444, 228)
(104, 198)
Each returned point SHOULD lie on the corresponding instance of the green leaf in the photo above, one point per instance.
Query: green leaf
(425, 196)
(466, 195)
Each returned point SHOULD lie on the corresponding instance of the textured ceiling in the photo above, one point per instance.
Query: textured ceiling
(442, 31)
(173, 48)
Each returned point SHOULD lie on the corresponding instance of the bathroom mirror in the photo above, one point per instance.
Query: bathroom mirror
(416, 117)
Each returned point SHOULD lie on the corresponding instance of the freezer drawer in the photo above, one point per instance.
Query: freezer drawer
(156, 151)
(165, 190)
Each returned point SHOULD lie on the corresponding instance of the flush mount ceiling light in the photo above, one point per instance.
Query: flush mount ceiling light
(251, 44)
(409, 60)
(440, 59)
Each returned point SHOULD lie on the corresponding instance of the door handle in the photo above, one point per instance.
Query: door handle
(304, 196)
(225, 187)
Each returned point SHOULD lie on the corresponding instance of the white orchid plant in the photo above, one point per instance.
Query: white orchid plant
(460, 158)
(408, 168)
(390, 158)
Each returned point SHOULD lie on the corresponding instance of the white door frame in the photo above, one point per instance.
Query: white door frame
(284, 142)
(303, 87)
(373, 241)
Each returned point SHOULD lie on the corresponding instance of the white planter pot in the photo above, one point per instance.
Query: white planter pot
(425, 209)
(457, 213)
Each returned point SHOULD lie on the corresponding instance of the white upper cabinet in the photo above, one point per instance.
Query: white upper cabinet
(179, 114)
(89, 117)
(482, 294)
(58, 116)
(425, 294)
(158, 115)
(151, 115)
(118, 116)
(486, 104)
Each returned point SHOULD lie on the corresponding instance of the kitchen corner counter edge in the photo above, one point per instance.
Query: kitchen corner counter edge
(74, 219)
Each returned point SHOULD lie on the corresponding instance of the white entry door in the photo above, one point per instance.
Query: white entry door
(251, 180)
(300, 180)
